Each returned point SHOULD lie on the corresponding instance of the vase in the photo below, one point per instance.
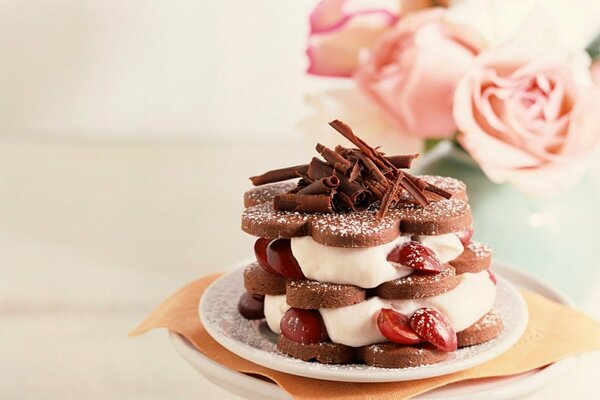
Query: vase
(555, 238)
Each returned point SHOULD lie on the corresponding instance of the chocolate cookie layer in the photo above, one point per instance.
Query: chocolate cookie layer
(257, 281)
(476, 258)
(487, 328)
(323, 352)
(418, 285)
(391, 355)
(309, 294)
(358, 229)
(264, 194)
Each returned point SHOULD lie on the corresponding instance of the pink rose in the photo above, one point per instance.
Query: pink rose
(337, 33)
(595, 71)
(530, 120)
(412, 71)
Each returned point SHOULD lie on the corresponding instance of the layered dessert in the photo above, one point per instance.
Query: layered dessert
(359, 261)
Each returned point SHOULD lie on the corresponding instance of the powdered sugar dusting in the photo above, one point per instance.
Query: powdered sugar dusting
(265, 193)
(481, 250)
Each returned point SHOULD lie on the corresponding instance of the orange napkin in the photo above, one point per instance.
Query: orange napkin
(554, 332)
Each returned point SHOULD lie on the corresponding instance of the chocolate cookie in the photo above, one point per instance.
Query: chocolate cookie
(476, 258)
(487, 328)
(309, 294)
(358, 229)
(323, 352)
(257, 281)
(391, 355)
(418, 285)
(263, 194)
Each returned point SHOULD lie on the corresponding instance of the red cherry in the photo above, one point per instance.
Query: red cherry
(395, 327)
(465, 236)
(260, 251)
(416, 256)
(252, 307)
(492, 277)
(303, 326)
(281, 259)
(434, 327)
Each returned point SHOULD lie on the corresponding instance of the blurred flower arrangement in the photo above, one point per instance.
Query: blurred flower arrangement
(497, 78)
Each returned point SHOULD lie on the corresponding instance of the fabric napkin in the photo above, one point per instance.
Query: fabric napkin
(554, 332)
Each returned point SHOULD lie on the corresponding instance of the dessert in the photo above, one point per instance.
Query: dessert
(359, 261)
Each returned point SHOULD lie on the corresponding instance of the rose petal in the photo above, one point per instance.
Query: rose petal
(334, 52)
(337, 33)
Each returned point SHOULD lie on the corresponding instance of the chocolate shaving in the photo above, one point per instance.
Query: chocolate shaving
(391, 193)
(414, 191)
(338, 162)
(355, 172)
(373, 169)
(303, 202)
(324, 185)
(278, 175)
(402, 161)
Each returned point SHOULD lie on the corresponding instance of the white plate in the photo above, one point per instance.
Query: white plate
(254, 341)
(492, 389)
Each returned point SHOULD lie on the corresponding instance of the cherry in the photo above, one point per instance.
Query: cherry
(251, 307)
(416, 256)
(303, 326)
(260, 251)
(281, 259)
(395, 327)
(434, 327)
(465, 236)
(492, 277)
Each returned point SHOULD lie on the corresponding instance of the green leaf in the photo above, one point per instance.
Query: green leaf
(431, 143)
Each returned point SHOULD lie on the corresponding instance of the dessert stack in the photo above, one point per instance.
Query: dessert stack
(359, 261)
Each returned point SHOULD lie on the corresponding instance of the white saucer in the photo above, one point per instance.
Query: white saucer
(492, 388)
(254, 341)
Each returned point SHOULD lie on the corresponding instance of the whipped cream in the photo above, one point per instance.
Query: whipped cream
(364, 267)
(447, 247)
(356, 325)
(275, 308)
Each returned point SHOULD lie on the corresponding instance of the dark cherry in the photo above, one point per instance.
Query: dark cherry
(281, 259)
(260, 251)
(465, 236)
(492, 277)
(303, 326)
(395, 327)
(251, 307)
(434, 327)
(416, 256)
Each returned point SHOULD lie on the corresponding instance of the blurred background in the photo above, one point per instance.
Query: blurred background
(127, 132)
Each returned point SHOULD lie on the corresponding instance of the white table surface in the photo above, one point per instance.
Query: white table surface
(94, 235)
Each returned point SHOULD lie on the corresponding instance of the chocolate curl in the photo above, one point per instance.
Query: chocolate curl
(355, 172)
(424, 185)
(303, 203)
(278, 175)
(325, 185)
(389, 196)
(318, 169)
(367, 150)
(373, 170)
(338, 162)
(402, 161)
(413, 190)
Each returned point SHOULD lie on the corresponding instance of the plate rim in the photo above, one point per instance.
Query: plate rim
(249, 352)
(524, 385)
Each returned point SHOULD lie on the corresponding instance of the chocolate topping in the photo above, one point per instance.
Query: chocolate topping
(363, 176)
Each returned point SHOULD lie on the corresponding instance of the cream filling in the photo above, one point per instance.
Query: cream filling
(357, 325)
(364, 267)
